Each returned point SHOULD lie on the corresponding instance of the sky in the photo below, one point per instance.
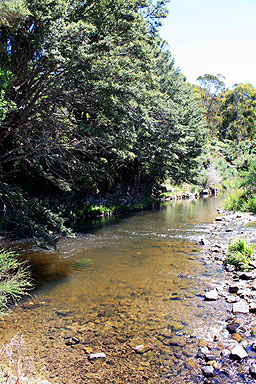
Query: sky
(213, 36)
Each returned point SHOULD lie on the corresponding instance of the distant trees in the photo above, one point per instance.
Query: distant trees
(93, 100)
(230, 113)
(209, 94)
(238, 111)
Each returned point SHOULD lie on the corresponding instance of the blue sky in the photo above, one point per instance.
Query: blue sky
(213, 36)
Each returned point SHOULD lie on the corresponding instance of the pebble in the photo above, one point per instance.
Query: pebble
(141, 348)
(99, 355)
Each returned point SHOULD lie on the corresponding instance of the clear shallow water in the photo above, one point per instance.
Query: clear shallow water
(144, 284)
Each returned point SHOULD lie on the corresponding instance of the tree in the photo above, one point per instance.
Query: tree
(98, 103)
(238, 113)
(209, 94)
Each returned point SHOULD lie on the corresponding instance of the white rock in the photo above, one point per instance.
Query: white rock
(211, 295)
(238, 352)
(241, 307)
(99, 355)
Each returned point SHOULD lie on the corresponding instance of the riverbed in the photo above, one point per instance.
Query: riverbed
(131, 289)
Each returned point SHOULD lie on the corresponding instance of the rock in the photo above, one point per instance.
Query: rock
(210, 357)
(225, 353)
(141, 348)
(237, 337)
(202, 352)
(232, 299)
(253, 346)
(244, 344)
(72, 341)
(245, 294)
(215, 249)
(211, 295)
(252, 307)
(246, 275)
(208, 371)
(99, 355)
(253, 286)
(241, 307)
(63, 313)
(203, 242)
(232, 327)
(252, 370)
(233, 288)
(238, 353)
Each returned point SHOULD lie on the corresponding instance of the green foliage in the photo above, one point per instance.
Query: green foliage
(238, 113)
(6, 106)
(32, 217)
(233, 200)
(12, 12)
(99, 103)
(14, 279)
(239, 254)
(83, 263)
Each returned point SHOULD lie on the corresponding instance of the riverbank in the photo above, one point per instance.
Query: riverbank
(230, 354)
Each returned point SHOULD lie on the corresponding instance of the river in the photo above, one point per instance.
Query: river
(139, 280)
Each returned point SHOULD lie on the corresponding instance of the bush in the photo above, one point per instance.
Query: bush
(233, 201)
(239, 254)
(14, 279)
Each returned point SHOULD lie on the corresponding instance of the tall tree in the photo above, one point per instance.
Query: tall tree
(98, 103)
(209, 95)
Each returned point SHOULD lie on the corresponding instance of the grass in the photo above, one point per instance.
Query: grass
(239, 254)
(14, 279)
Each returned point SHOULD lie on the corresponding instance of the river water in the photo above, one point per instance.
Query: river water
(138, 280)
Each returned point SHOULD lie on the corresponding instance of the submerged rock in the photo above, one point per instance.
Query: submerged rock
(99, 355)
(141, 348)
(72, 341)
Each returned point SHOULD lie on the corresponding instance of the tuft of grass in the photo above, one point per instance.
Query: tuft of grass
(14, 279)
(239, 254)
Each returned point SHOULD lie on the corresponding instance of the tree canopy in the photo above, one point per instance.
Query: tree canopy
(91, 100)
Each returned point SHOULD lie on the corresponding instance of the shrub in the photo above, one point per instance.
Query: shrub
(14, 279)
(239, 254)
